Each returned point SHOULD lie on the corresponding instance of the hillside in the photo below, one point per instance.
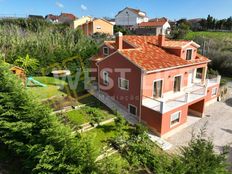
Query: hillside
(211, 35)
(218, 47)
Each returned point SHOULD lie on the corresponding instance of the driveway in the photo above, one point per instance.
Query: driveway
(218, 123)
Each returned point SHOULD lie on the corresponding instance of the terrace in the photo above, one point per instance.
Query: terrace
(175, 100)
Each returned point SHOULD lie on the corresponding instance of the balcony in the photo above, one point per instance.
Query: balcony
(172, 101)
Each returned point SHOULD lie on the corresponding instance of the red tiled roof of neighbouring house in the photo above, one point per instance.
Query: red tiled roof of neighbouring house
(152, 24)
(150, 57)
(69, 15)
(158, 19)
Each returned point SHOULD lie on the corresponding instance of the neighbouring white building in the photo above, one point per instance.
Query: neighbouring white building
(153, 27)
(130, 17)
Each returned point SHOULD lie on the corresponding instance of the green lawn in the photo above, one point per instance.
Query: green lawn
(52, 89)
(46, 92)
(212, 35)
(101, 134)
(81, 116)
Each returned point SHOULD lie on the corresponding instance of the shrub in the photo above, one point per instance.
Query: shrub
(28, 129)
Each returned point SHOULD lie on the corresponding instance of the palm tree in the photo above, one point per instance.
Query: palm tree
(27, 63)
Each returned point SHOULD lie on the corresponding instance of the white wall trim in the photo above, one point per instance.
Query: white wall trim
(120, 78)
(187, 52)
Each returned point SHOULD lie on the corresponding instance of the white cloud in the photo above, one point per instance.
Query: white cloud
(83, 7)
(59, 4)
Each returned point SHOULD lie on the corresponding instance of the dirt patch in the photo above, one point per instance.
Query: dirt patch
(58, 103)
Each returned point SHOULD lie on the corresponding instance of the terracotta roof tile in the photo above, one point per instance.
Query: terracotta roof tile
(68, 15)
(152, 24)
(175, 44)
(150, 57)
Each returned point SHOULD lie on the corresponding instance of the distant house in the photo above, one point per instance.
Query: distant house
(35, 17)
(130, 17)
(153, 27)
(195, 23)
(66, 18)
(79, 22)
(63, 18)
(97, 26)
(52, 18)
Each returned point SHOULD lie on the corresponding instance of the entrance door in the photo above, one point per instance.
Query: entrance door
(177, 84)
(157, 91)
(190, 78)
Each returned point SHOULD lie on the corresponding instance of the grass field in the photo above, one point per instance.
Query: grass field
(81, 116)
(101, 134)
(52, 89)
(211, 35)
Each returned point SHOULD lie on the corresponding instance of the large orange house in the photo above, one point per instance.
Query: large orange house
(97, 26)
(159, 81)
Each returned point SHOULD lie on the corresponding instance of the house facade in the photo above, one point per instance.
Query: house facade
(129, 17)
(81, 21)
(155, 27)
(158, 81)
(97, 26)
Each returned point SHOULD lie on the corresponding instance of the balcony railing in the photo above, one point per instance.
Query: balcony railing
(188, 95)
(164, 105)
(213, 81)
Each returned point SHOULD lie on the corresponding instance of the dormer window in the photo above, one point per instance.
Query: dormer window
(189, 54)
(106, 51)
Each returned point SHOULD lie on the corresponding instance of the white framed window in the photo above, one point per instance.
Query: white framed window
(105, 78)
(98, 27)
(132, 109)
(106, 51)
(189, 54)
(177, 83)
(175, 118)
(214, 91)
(123, 84)
(158, 88)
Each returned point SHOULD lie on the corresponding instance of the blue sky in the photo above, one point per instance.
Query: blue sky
(173, 9)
